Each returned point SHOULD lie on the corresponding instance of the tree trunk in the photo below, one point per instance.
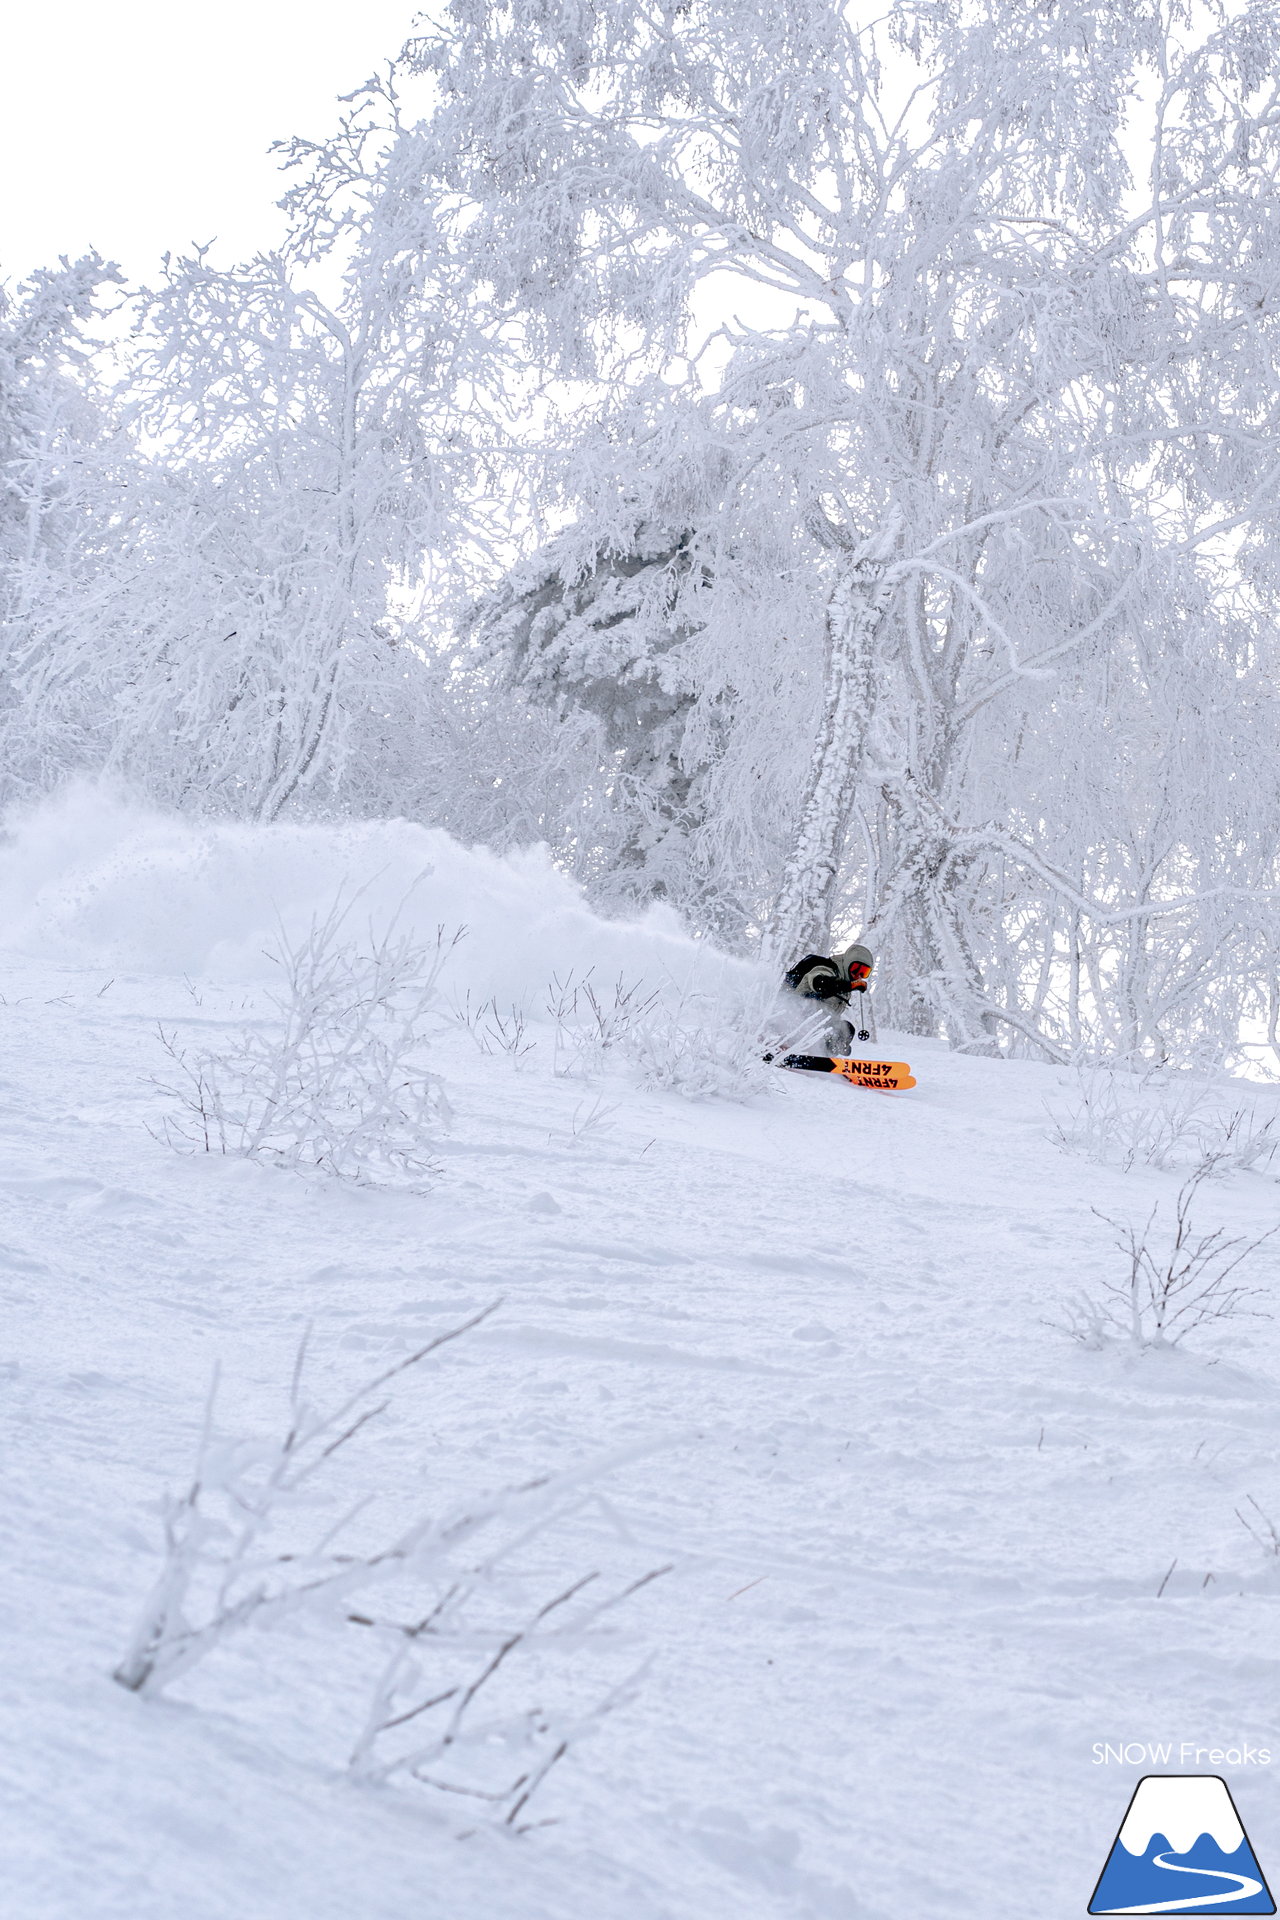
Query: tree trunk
(921, 910)
(801, 918)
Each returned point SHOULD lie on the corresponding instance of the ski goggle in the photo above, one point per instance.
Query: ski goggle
(859, 971)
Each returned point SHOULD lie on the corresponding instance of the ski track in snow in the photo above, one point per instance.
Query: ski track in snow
(924, 1533)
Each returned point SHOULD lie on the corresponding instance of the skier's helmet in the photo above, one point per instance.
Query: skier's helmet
(858, 961)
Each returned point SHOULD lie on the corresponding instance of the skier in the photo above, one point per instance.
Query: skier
(833, 980)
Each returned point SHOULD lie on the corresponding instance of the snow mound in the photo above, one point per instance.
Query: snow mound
(89, 878)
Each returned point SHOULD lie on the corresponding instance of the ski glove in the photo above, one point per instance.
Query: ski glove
(828, 987)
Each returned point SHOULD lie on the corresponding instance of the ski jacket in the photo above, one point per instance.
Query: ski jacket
(819, 977)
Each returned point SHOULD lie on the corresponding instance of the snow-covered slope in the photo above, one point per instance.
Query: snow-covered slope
(922, 1540)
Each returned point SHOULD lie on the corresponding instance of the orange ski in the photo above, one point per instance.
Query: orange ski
(891, 1076)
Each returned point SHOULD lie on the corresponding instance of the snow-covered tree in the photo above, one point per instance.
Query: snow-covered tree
(856, 435)
(596, 633)
(672, 615)
(56, 449)
(310, 417)
(1016, 269)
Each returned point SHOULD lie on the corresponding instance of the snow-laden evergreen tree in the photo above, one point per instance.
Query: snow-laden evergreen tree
(598, 633)
(675, 615)
(1016, 266)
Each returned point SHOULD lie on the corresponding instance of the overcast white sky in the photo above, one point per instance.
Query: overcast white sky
(138, 126)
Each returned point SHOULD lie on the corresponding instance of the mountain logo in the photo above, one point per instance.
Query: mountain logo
(1181, 1849)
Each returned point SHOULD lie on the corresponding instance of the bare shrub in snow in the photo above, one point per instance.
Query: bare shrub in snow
(1261, 1526)
(683, 1039)
(442, 1712)
(452, 1595)
(1171, 1284)
(1123, 1121)
(495, 1031)
(222, 1565)
(1246, 1143)
(704, 1046)
(591, 1122)
(336, 1080)
(591, 1022)
(606, 1018)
